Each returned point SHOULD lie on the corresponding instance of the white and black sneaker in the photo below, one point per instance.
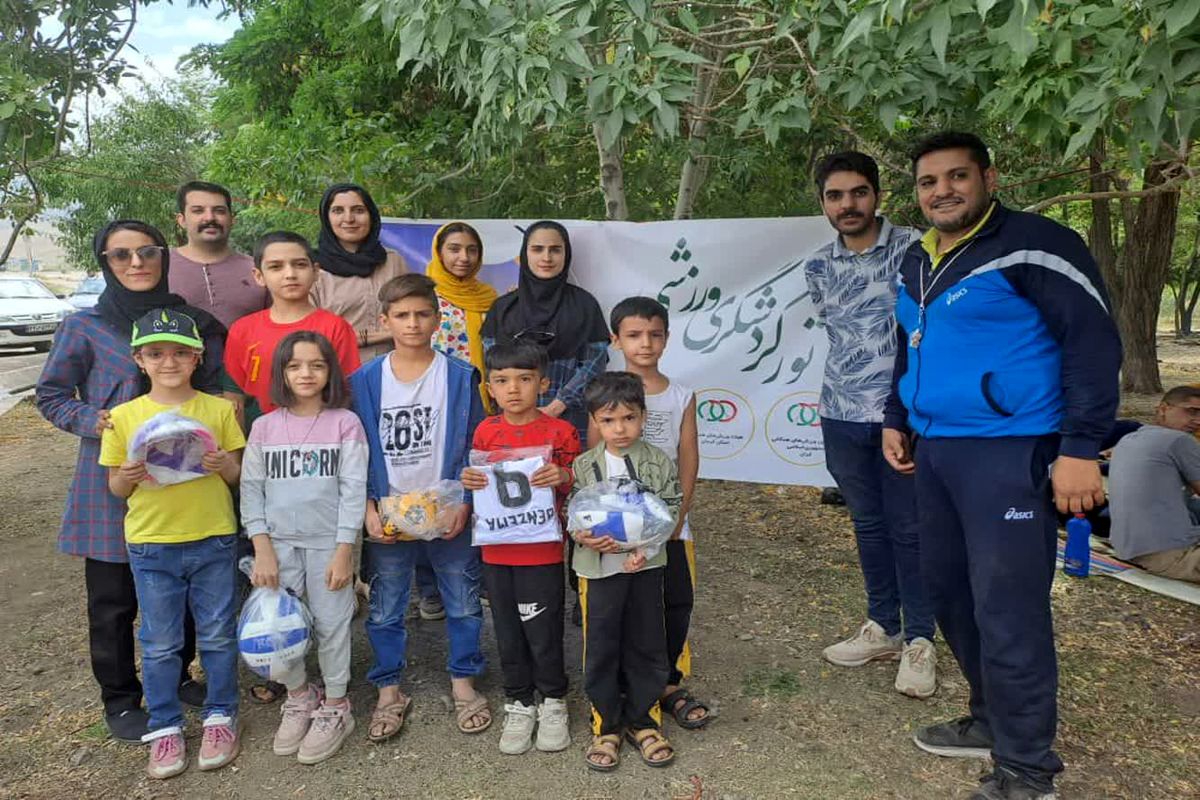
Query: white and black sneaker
(966, 737)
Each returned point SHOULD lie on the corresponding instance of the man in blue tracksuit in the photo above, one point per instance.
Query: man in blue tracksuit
(1004, 385)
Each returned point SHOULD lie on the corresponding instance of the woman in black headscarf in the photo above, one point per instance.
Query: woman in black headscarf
(354, 265)
(90, 370)
(560, 316)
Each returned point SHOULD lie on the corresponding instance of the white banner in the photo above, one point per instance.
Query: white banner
(743, 330)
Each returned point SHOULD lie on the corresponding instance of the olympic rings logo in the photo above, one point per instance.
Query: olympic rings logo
(717, 410)
(804, 415)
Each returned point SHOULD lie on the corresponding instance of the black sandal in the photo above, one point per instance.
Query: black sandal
(681, 712)
(267, 693)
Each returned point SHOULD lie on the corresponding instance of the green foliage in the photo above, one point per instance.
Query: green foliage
(137, 153)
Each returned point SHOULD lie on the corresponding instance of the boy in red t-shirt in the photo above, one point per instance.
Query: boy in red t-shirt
(284, 264)
(525, 581)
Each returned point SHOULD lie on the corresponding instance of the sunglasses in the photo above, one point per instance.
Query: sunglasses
(123, 256)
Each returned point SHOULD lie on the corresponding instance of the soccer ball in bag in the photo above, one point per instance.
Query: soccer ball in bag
(622, 526)
(273, 634)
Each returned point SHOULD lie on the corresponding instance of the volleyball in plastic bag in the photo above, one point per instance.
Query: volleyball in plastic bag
(172, 447)
(274, 632)
(624, 511)
(423, 514)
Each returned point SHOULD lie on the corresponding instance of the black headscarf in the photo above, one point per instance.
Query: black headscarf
(543, 306)
(121, 307)
(335, 258)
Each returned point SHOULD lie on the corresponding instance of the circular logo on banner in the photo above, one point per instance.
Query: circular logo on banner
(793, 430)
(724, 423)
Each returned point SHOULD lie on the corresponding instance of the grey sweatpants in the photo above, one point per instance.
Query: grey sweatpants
(302, 570)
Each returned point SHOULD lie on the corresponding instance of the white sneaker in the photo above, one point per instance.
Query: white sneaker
(519, 721)
(917, 676)
(553, 729)
(869, 644)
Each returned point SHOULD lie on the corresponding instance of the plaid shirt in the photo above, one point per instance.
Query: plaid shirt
(568, 378)
(91, 368)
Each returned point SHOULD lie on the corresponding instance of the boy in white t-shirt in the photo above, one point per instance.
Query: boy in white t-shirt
(640, 330)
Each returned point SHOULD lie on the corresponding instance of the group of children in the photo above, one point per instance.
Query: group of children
(311, 475)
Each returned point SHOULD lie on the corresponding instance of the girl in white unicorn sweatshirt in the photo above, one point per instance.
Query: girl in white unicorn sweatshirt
(303, 493)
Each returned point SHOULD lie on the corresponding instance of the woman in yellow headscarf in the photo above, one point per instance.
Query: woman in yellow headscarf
(463, 299)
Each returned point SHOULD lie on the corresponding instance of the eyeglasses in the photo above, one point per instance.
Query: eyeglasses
(123, 256)
(535, 335)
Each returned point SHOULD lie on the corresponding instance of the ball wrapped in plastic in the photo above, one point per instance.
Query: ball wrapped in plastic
(631, 516)
(274, 632)
(172, 447)
(424, 514)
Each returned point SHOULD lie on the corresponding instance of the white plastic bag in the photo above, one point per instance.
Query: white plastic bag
(424, 514)
(171, 446)
(623, 510)
(274, 632)
(509, 510)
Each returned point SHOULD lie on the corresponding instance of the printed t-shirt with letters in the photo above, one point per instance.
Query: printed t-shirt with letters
(412, 426)
(181, 512)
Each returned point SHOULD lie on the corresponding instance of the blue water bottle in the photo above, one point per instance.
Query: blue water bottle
(1077, 560)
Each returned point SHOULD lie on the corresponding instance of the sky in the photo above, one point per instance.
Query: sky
(165, 32)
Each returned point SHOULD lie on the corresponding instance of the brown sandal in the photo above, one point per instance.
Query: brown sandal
(464, 710)
(386, 721)
(608, 745)
(650, 741)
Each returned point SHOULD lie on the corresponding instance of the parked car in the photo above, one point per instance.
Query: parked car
(87, 292)
(29, 313)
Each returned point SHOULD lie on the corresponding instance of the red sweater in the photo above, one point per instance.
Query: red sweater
(499, 437)
(250, 348)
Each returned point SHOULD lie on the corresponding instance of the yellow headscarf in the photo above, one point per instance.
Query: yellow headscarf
(470, 294)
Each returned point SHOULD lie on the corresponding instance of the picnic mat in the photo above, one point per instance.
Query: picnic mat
(1103, 563)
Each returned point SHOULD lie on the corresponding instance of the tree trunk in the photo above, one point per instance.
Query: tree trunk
(1101, 235)
(612, 176)
(1146, 262)
(695, 166)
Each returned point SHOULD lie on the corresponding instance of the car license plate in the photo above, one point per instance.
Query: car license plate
(43, 328)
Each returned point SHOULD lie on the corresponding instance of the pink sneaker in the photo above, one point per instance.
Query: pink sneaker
(331, 724)
(297, 715)
(168, 754)
(220, 744)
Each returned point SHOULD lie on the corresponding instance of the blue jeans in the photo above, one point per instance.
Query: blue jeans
(883, 505)
(171, 579)
(457, 567)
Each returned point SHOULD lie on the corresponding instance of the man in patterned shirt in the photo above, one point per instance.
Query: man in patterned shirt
(853, 285)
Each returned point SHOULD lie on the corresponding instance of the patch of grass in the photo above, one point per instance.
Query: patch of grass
(96, 733)
(771, 683)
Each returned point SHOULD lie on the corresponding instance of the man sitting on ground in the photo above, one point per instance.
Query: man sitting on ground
(1154, 478)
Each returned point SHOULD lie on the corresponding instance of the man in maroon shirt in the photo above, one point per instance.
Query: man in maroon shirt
(206, 271)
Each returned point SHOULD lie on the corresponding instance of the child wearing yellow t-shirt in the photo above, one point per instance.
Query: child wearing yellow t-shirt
(181, 541)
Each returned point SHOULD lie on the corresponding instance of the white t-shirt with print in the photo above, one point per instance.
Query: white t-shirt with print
(412, 426)
(664, 421)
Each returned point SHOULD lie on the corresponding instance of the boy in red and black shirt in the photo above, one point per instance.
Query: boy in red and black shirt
(525, 581)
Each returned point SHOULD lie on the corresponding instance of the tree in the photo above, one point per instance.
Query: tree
(53, 55)
(1116, 83)
(1185, 276)
(676, 69)
(138, 153)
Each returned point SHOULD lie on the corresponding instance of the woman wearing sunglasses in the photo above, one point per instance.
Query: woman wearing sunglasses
(561, 317)
(91, 369)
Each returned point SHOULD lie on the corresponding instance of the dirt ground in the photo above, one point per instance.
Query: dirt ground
(778, 581)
